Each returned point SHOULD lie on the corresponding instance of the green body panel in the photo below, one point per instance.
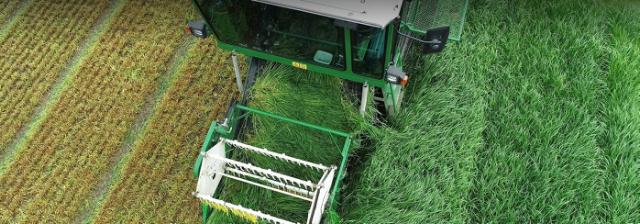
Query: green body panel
(349, 56)
(390, 40)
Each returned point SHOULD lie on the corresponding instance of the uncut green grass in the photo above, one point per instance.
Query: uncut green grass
(422, 165)
(302, 96)
(621, 141)
(541, 160)
(546, 127)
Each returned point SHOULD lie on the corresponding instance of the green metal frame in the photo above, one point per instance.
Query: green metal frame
(239, 112)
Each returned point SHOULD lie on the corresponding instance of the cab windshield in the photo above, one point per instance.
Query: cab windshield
(282, 32)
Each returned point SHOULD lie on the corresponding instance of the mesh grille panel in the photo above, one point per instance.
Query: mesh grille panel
(426, 14)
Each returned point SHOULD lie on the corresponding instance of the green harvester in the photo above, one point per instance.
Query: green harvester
(364, 42)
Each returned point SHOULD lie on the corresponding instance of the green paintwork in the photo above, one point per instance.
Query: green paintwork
(389, 51)
(335, 193)
(289, 120)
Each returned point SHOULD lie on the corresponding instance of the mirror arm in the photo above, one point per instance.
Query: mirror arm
(418, 39)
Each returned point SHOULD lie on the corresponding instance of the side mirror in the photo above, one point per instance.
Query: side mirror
(396, 76)
(435, 40)
(197, 28)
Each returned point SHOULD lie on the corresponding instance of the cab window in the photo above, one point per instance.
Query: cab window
(283, 32)
(368, 51)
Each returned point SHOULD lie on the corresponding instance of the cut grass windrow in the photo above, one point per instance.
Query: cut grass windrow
(50, 180)
(33, 59)
(621, 141)
(165, 153)
(540, 163)
(421, 168)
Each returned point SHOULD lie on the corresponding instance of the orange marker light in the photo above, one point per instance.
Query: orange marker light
(404, 81)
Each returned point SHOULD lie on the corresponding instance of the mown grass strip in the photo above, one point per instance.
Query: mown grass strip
(10, 14)
(136, 132)
(540, 163)
(43, 100)
(621, 141)
(64, 161)
(422, 166)
(164, 154)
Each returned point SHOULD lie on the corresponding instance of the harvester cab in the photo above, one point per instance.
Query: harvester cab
(362, 42)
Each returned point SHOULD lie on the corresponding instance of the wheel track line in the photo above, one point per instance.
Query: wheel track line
(64, 80)
(5, 27)
(136, 133)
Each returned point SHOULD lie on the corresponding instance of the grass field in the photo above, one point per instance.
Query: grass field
(621, 140)
(541, 151)
(533, 117)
